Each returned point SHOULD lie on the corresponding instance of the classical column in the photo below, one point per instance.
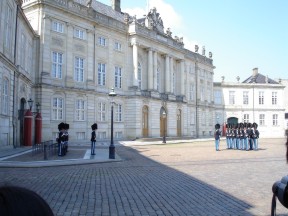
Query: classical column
(150, 70)
(45, 51)
(182, 77)
(171, 74)
(69, 56)
(90, 55)
(135, 64)
(167, 74)
(155, 70)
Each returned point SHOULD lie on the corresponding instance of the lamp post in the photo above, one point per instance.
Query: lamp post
(112, 94)
(164, 124)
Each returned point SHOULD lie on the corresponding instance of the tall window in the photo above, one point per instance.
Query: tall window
(139, 75)
(79, 34)
(118, 77)
(191, 95)
(23, 51)
(275, 119)
(102, 41)
(274, 98)
(217, 97)
(118, 113)
(192, 117)
(262, 119)
(101, 74)
(57, 108)
(117, 46)
(5, 96)
(57, 26)
(261, 97)
(245, 98)
(57, 61)
(101, 112)
(8, 28)
(246, 118)
(80, 110)
(231, 97)
(79, 69)
(158, 79)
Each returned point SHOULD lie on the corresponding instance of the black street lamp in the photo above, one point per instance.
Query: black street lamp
(164, 124)
(112, 94)
(30, 103)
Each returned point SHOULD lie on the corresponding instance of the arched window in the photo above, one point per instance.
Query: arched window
(139, 75)
(5, 96)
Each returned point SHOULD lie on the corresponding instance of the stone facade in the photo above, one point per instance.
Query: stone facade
(87, 47)
(257, 99)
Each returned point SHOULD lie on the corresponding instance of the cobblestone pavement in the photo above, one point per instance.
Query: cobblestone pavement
(173, 179)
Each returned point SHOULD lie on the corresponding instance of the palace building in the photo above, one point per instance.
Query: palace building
(66, 55)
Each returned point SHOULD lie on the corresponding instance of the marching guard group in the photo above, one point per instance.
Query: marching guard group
(241, 136)
(63, 138)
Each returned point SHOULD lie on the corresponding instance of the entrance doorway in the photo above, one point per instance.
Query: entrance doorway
(145, 131)
(232, 120)
(179, 129)
(163, 122)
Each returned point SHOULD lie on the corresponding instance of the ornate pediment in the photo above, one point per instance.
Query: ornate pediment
(154, 21)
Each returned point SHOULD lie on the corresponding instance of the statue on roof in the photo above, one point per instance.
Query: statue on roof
(154, 21)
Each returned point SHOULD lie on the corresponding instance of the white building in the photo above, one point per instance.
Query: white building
(18, 63)
(78, 51)
(257, 99)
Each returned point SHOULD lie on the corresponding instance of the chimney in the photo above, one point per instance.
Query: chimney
(255, 72)
(115, 4)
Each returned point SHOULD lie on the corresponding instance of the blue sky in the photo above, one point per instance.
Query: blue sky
(241, 34)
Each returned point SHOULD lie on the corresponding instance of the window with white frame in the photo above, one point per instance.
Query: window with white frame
(203, 122)
(202, 92)
(117, 46)
(57, 108)
(101, 74)
(57, 62)
(246, 118)
(192, 117)
(275, 119)
(102, 41)
(101, 135)
(78, 33)
(23, 51)
(118, 77)
(191, 95)
(8, 28)
(139, 75)
(274, 98)
(80, 110)
(118, 112)
(217, 97)
(118, 134)
(231, 97)
(5, 93)
(262, 119)
(79, 69)
(245, 97)
(80, 135)
(158, 79)
(173, 82)
(101, 112)
(57, 26)
(261, 97)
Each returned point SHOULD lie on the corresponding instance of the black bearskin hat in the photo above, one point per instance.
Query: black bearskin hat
(249, 125)
(61, 126)
(245, 124)
(255, 125)
(94, 126)
(66, 126)
(217, 126)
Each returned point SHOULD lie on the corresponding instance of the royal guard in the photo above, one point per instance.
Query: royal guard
(241, 135)
(255, 136)
(217, 135)
(94, 127)
(227, 136)
(250, 134)
(61, 139)
(66, 137)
